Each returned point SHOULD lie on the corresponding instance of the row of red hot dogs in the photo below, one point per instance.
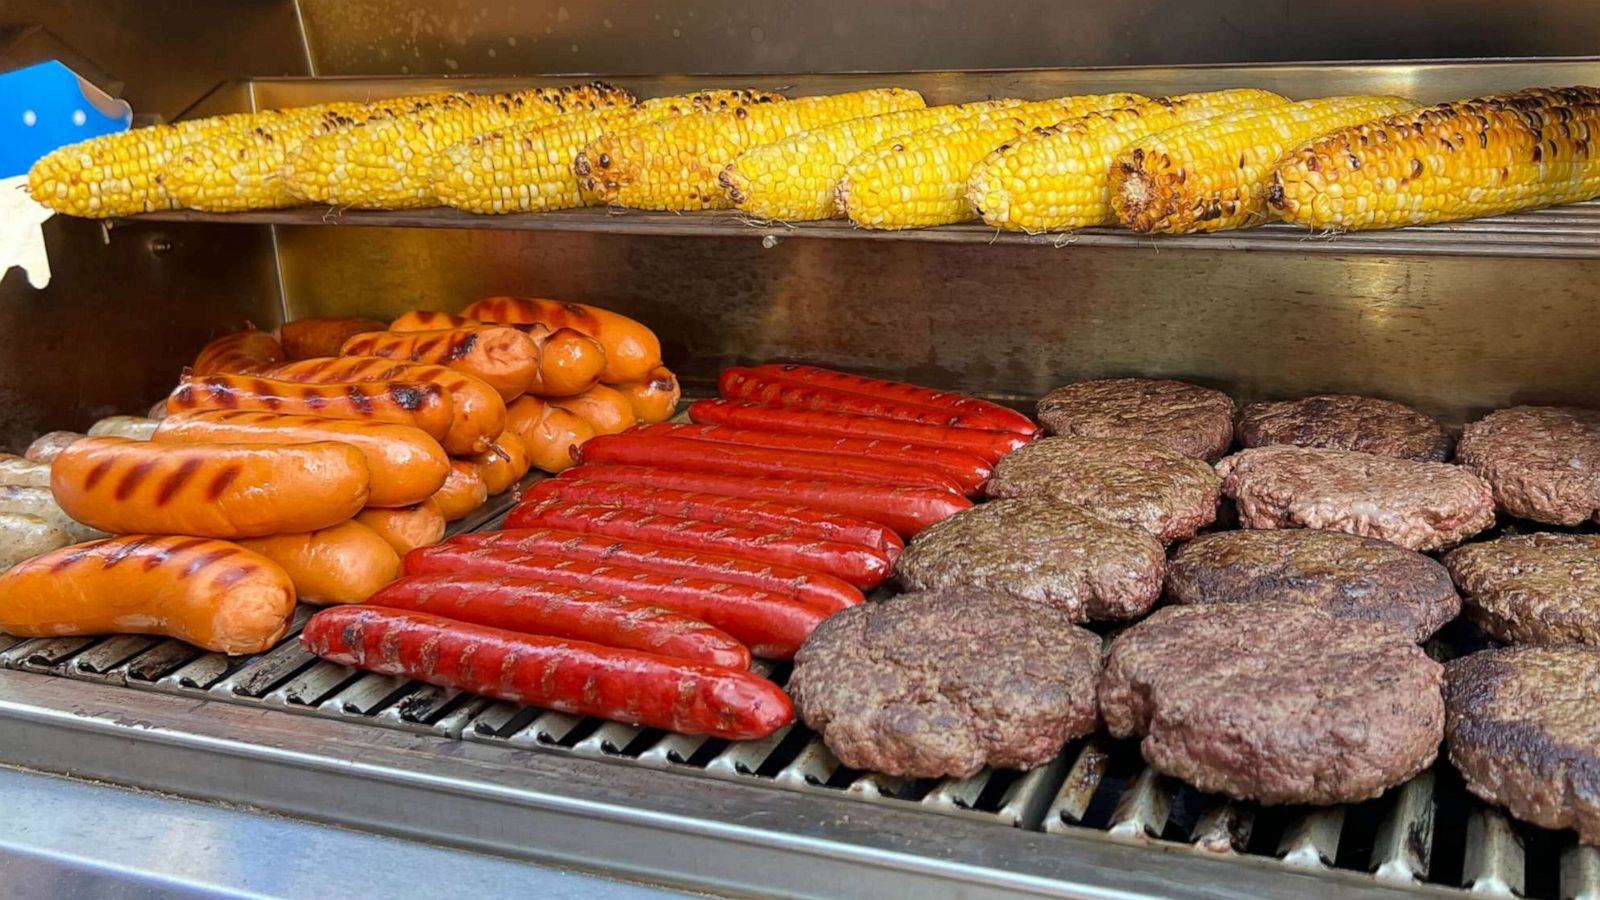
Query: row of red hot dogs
(637, 585)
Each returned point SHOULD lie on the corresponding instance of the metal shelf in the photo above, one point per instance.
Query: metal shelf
(1565, 232)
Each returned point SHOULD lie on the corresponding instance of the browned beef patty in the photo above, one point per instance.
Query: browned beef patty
(1422, 506)
(1190, 419)
(1133, 482)
(1277, 702)
(1523, 730)
(946, 682)
(1040, 549)
(1532, 588)
(1345, 422)
(1350, 576)
(1542, 461)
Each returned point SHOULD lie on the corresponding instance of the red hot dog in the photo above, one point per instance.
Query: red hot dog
(750, 386)
(991, 415)
(813, 588)
(572, 676)
(771, 626)
(562, 611)
(986, 445)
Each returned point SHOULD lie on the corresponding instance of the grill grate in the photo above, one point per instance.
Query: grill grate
(1429, 830)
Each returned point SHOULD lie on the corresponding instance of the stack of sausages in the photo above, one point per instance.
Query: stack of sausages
(322, 451)
(674, 548)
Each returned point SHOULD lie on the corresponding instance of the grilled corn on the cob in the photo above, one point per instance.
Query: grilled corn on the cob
(1479, 157)
(673, 165)
(1055, 178)
(795, 179)
(529, 168)
(1212, 174)
(388, 163)
(920, 179)
(242, 170)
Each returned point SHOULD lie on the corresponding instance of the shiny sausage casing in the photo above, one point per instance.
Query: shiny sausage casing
(212, 594)
(655, 399)
(463, 491)
(562, 611)
(988, 446)
(987, 413)
(406, 466)
(632, 350)
(346, 563)
(570, 362)
(24, 536)
(418, 404)
(550, 435)
(752, 386)
(504, 464)
(503, 358)
(311, 338)
(241, 353)
(478, 415)
(41, 503)
(24, 472)
(605, 409)
(210, 490)
(576, 677)
(137, 427)
(407, 528)
(428, 320)
(46, 447)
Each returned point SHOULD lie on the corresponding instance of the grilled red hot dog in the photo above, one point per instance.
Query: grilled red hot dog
(968, 471)
(572, 676)
(859, 566)
(986, 445)
(907, 510)
(813, 588)
(575, 485)
(639, 449)
(771, 626)
(750, 386)
(562, 611)
(991, 415)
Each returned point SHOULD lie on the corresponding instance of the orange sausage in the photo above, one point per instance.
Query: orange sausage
(478, 413)
(428, 320)
(503, 358)
(606, 410)
(211, 490)
(551, 435)
(463, 492)
(344, 564)
(654, 399)
(415, 403)
(239, 353)
(504, 464)
(309, 338)
(406, 465)
(213, 594)
(406, 529)
(632, 350)
(570, 362)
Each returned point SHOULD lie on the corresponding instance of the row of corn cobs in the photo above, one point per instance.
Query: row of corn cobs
(881, 158)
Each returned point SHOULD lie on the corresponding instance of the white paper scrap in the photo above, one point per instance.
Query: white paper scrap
(21, 234)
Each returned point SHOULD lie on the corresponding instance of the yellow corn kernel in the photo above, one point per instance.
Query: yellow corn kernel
(795, 179)
(920, 179)
(1461, 160)
(673, 165)
(1212, 174)
(388, 163)
(529, 168)
(1055, 178)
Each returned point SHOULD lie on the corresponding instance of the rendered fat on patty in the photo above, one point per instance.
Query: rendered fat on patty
(1542, 461)
(1532, 588)
(1345, 422)
(1188, 418)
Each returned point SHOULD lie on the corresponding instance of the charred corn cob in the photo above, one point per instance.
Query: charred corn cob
(1054, 178)
(674, 164)
(795, 179)
(1212, 174)
(1480, 157)
(242, 170)
(388, 163)
(920, 179)
(529, 168)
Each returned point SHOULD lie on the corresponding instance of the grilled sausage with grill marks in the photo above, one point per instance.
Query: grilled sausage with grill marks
(989, 414)
(756, 386)
(312, 338)
(631, 349)
(477, 414)
(503, 358)
(241, 353)
(414, 403)
(988, 446)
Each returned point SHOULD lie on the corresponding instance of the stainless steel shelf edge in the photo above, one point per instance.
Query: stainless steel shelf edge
(593, 815)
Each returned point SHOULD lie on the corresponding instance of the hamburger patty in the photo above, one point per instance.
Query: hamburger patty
(1350, 576)
(1523, 731)
(1042, 550)
(1190, 419)
(910, 686)
(1133, 482)
(1275, 702)
(1542, 461)
(1532, 588)
(1422, 506)
(1345, 422)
